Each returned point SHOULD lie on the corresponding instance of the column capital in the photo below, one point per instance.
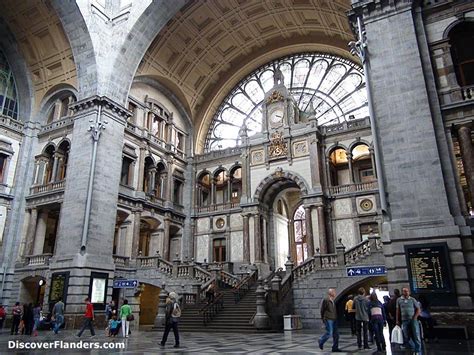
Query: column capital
(108, 104)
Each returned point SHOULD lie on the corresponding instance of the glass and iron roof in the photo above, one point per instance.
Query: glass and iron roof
(330, 87)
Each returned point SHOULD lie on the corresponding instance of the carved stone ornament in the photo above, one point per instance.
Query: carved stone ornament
(278, 146)
(257, 157)
(275, 97)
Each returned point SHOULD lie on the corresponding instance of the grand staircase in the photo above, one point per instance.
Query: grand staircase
(232, 318)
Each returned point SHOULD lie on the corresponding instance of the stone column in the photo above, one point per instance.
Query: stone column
(55, 168)
(323, 244)
(467, 156)
(153, 180)
(315, 162)
(136, 233)
(36, 173)
(328, 171)
(213, 191)
(40, 233)
(166, 239)
(372, 160)
(30, 234)
(141, 168)
(229, 189)
(309, 231)
(351, 172)
(246, 237)
(257, 238)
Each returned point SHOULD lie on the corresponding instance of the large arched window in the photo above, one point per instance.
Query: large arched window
(299, 220)
(8, 94)
(461, 38)
(333, 86)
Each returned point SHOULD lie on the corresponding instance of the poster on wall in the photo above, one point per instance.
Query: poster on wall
(59, 282)
(98, 291)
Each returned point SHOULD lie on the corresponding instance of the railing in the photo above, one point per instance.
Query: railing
(64, 122)
(183, 271)
(218, 207)
(241, 288)
(150, 262)
(52, 186)
(11, 123)
(121, 260)
(228, 152)
(201, 274)
(225, 265)
(359, 187)
(37, 260)
(346, 125)
(229, 279)
(210, 310)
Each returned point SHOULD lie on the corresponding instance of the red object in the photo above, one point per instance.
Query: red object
(89, 311)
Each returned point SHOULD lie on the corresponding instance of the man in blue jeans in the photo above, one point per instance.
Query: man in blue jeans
(408, 310)
(58, 314)
(329, 317)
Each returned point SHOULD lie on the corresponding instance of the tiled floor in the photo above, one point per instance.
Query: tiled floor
(300, 342)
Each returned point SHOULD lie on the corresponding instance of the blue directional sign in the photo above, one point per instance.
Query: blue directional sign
(366, 271)
(125, 283)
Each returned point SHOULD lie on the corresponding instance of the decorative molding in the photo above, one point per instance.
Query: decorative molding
(275, 96)
(300, 148)
(105, 102)
(278, 146)
(257, 157)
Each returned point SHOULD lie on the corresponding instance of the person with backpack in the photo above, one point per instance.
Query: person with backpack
(126, 316)
(378, 320)
(17, 313)
(172, 314)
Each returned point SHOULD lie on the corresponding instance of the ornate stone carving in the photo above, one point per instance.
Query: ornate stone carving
(257, 157)
(278, 146)
(274, 97)
(300, 148)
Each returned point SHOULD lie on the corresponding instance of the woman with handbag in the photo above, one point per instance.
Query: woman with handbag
(126, 316)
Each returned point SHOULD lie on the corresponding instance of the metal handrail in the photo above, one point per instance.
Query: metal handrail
(244, 286)
(209, 310)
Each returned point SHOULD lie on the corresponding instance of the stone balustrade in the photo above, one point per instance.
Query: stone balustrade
(64, 122)
(11, 123)
(38, 260)
(218, 207)
(353, 188)
(346, 125)
(121, 260)
(467, 93)
(52, 186)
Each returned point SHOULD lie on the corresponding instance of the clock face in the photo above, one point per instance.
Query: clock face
(276, 116)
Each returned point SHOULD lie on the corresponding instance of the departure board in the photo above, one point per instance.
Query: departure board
(429, 268)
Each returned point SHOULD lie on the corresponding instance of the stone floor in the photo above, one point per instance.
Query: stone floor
(147, 342)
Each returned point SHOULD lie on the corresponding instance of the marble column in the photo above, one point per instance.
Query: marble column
(328, 171)
(40, 233)
(257, 238)
(30, 234)
(55, 168)
(372, 160)
(323, 244)
(229, 189)
(166, 240)
(213, 191)
(152, 181)
(141, 169)
(467, 156)
(351, 169)
(246, 237)
(136, 233)
(309, 231)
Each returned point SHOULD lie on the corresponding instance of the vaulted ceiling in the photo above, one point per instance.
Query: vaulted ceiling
(211, 44)
(42, 42)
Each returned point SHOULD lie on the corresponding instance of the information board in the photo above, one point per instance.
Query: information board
(429, 268)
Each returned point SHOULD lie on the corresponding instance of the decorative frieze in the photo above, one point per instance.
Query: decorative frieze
(300, 148)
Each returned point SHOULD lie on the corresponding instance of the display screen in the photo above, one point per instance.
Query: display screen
(429, 268)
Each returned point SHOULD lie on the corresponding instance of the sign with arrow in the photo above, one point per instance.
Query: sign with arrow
(366, 271)
(125, 283)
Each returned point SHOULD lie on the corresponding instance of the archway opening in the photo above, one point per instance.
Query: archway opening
(32, 290)
(149, 300)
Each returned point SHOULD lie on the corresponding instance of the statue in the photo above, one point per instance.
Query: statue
(278, 78)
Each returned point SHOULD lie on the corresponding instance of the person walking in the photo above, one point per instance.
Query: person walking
(3, 315)
(126, 316)
(88, 319)
(350, 314)
(172, 314)
(392, 311)
(378, 320)
(210, 292)
(17, 313)
(329, 317)
(408, 310)
(109, 310)
(362, 318)
(36, 319)
(58, 315)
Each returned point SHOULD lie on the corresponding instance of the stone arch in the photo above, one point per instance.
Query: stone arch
(454, 24)
(200, 174)
(47, 146)
(359, 142)
(140, 37)
(219, 169)
(80, 41)
(331, 148)
(19, 67)
(279, 176)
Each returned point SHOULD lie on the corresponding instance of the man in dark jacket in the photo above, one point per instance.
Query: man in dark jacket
(329, 317)
(361, 306)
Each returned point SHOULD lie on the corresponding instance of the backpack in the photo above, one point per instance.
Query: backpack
(176, 313)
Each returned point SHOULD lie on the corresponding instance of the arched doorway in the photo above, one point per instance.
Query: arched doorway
(33, 289)
(282, 217)
(149, 300)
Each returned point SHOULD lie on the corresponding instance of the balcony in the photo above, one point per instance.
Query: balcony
(353, 188)
(121, 261)
(64, 122)
(218, 207)
(457, 97)
(10, 123)
(38, 260)
(52, 186)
